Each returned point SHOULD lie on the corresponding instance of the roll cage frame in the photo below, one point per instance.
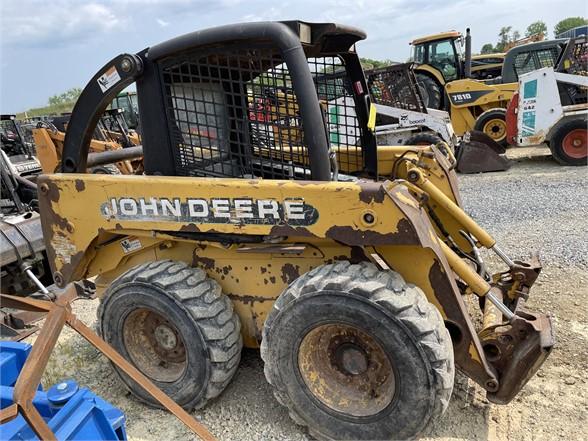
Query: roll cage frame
(296, 41)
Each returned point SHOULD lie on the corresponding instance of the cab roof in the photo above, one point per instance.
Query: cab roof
(434, 37)
(491, 55)
(315, 37)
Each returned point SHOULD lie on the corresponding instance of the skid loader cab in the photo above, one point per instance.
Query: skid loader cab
(199, 104)
(253, 225)
(481, 105)
(529, 57)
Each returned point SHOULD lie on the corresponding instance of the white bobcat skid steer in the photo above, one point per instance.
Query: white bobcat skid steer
(537, 114)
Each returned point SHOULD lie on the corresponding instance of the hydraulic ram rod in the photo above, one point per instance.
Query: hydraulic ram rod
(477, 284)
(416, 177)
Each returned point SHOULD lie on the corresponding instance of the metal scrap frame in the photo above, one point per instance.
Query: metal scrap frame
(59, 313)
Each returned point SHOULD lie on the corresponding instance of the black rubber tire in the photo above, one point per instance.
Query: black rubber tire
(107, 169)
(431, 91)
(397, 314)
(556, 143)
(202, 315)
(489, 115)
(423, 139)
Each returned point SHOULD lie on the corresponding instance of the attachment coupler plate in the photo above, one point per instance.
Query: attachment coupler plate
(517, 350)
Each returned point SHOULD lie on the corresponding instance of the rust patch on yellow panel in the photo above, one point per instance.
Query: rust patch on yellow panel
(203, 262)
(348, 235)
(287, 230)
(249, 300)
(290, 273)
(190, 228)
(253, 281)
(371, 192)
(52, 191)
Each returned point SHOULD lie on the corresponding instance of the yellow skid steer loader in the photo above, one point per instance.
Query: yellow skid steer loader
(348, 265)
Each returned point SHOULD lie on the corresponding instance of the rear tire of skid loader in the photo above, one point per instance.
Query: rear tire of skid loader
(432, 91)
(493, 123)
(423, 139)
(108, 169)
(357, 353)
(176, 326)
(568, 144)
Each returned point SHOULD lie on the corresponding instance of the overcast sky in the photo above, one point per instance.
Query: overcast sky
(47, 47)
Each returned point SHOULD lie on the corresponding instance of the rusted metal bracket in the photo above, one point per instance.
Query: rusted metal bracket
(16, 326)
(59, 314)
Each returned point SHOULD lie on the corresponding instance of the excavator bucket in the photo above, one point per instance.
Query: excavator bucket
(478, 153)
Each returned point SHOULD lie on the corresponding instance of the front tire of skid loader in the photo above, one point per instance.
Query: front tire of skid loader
(423, 139)
(176, 326)
(357, 353)
(493, 123)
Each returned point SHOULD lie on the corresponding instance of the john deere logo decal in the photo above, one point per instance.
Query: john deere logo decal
(214, 210)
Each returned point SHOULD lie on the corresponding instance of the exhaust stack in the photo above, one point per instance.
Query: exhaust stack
(467, 69)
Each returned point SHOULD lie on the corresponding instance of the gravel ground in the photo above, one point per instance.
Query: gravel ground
(537, 197)
(537, 205)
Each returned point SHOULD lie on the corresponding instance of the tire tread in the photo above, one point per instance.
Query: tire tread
(389, 290)
(202, 298)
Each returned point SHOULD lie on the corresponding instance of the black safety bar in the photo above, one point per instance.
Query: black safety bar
(126, 68)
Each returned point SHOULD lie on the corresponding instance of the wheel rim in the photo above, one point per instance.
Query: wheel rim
(154, 345)
(495, 129)
(574, 144)
(346, 369)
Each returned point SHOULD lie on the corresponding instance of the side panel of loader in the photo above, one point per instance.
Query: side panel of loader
(470, 98)
(129, 220)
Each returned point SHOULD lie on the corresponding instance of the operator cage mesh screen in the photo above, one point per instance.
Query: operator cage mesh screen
(526, 62)
(235, 114)
(395, 86)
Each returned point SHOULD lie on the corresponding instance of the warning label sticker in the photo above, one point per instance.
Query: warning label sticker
(130, 244)
(109, 79)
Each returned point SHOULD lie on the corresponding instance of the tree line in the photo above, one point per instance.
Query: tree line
(69, 96)
(508, 35)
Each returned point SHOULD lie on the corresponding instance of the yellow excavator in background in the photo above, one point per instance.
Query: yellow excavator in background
(439, 60)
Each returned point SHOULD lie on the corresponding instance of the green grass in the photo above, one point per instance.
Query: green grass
(54, 110)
